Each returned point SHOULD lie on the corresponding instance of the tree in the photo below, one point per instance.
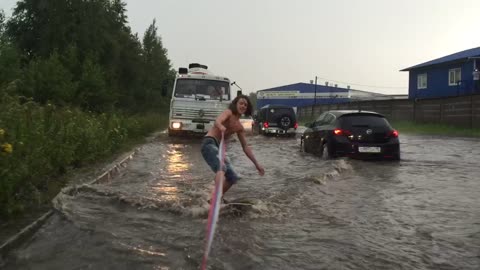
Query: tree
(91, 44)
(48, 80)
(92, 93)
(80, 31)
(2, 22)
(9, 64)
(158, 75)
(9, 57)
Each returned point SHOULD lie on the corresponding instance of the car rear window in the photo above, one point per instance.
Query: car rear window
(357, 120)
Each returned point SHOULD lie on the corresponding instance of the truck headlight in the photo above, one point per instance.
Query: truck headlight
(176, 125)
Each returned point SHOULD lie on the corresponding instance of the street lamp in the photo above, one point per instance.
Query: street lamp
(239, 92)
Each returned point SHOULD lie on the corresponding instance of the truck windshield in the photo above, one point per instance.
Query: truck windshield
(202, 89)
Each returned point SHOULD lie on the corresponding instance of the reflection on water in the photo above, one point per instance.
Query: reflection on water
(142, 251)
(165, 193)
(176, 163)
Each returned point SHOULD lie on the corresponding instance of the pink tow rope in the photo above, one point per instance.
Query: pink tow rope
(215, 203)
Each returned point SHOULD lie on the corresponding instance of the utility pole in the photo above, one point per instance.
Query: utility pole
(315, 97)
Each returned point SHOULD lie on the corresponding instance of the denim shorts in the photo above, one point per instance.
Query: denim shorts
(210, 151)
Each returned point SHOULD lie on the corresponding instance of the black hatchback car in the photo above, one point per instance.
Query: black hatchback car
(275, 120)
(351, 133)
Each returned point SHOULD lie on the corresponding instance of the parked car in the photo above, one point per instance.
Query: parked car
(275, 120)
(351, 133)
(247, 123)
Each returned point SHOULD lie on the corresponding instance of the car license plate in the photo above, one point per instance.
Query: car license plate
(368, 149)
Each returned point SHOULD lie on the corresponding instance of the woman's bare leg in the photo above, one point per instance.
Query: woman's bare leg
(226, 185)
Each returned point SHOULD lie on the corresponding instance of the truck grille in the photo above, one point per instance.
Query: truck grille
(197, 113)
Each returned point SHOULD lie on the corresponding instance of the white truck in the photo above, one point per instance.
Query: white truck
(198, 98)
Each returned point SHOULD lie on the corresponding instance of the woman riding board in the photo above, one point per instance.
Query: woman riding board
(227, 123)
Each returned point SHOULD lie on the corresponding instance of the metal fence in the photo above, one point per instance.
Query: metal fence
(462, 111)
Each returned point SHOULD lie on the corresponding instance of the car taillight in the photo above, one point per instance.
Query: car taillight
(296, 125)
(341, 132)
(392, 134)
(265, 125)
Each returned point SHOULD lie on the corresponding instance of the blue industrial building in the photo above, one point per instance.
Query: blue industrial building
(452, 75)
(305, 94)
(302, 94)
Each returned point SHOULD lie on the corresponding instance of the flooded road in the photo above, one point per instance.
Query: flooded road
(420, 213)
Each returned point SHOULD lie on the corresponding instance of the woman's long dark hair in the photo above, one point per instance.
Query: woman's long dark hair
(233, 105)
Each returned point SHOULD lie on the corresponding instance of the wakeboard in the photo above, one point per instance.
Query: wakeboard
(237, 206)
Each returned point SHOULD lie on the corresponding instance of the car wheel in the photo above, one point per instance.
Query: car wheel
(260, 131)
(285, 122)
(302, 145)
(325, 151)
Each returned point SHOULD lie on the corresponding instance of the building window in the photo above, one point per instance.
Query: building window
(422, 81)
(454, 76)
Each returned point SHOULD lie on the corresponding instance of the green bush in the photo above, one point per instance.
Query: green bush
(41, 142)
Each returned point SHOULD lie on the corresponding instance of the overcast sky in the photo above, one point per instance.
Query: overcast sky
(267, 43)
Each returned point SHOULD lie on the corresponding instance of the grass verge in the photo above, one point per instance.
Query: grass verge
(435, 129)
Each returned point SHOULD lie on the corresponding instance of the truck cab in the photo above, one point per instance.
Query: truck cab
(198, 97)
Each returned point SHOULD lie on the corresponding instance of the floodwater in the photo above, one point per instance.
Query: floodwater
(420, 213)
